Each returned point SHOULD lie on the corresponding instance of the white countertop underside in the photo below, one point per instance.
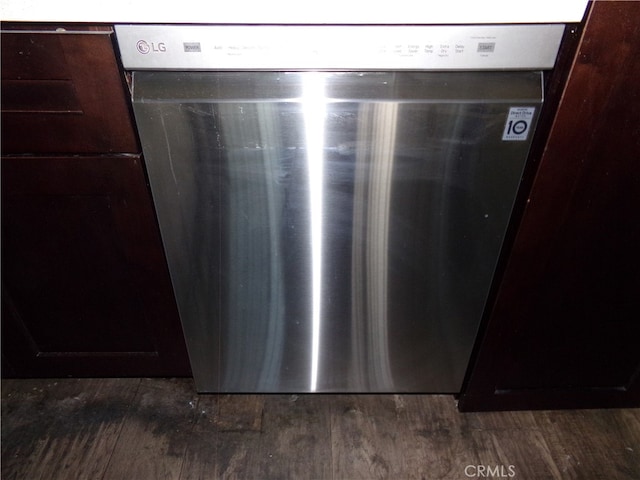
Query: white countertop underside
(295, 12)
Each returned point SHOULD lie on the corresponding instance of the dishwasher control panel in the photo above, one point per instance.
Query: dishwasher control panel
(336, 47)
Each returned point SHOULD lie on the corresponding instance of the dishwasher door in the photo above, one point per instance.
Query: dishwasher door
(333, 231)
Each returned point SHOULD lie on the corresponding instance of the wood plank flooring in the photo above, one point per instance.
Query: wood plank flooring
(143, 429)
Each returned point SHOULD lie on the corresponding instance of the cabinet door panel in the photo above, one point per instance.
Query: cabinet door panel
(85, 287)
(565, 328)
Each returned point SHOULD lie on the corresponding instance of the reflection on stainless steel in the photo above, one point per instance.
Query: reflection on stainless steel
(331, 231)
(313, 105)
(252, 269)
(369, 264)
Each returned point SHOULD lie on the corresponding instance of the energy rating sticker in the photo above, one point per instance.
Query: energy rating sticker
(518, 123)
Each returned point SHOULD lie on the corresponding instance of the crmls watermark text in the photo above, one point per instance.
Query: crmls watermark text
(490, 471)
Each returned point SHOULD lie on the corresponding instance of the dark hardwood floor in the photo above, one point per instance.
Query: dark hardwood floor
(161, 429)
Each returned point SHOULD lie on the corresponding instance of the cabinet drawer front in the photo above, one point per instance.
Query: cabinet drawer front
(62, 92)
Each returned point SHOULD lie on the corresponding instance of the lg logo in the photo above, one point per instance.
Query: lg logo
(145, 47)
(484, 471)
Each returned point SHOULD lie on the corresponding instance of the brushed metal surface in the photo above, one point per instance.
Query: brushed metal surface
(332, 232)
(339, 47)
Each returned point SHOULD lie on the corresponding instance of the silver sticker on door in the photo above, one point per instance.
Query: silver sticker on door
(518, 123)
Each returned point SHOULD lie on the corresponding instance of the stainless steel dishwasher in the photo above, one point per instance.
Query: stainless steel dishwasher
(333, 199)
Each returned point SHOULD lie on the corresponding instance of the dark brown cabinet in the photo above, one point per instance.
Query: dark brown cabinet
(85, 290)
(61, 92)
(565, 327)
